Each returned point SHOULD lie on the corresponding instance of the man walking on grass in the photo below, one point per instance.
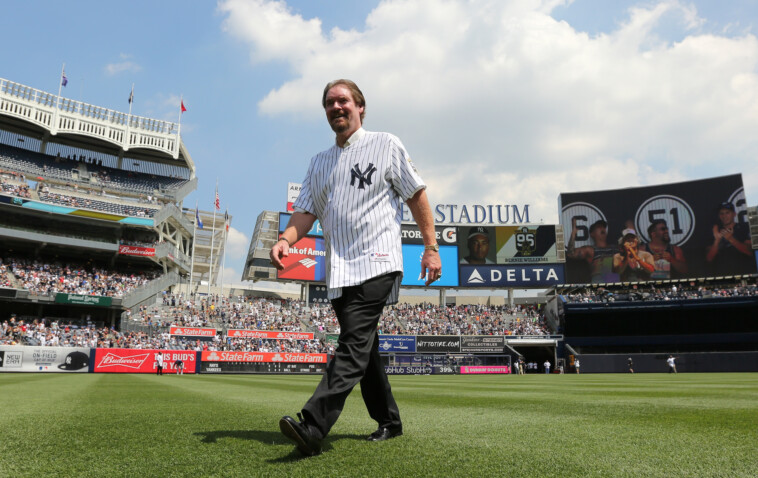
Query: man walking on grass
(356, 189)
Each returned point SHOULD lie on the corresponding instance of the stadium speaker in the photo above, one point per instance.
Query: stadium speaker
(752, 219)
(560, 244)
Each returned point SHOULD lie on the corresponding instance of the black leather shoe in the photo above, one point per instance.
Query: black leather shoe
(299, 432)
(385, 434)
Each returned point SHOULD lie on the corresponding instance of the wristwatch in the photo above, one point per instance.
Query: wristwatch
(432, 247)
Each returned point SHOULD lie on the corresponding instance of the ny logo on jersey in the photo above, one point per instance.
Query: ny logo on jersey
(362, 177)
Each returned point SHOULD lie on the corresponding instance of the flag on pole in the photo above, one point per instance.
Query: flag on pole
(131, 95)
(218, 202)
(197, 219)
(64, 80)
(183, 108)
(226, 219)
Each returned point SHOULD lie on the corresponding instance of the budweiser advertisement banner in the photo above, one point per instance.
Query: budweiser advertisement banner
(268, 334)
(262, 357)
(192, 331)
(18, 358)
(142, 361)
(136, 251)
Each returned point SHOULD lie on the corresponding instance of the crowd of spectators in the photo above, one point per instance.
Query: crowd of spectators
(49, 278)
(18, 190)
(653, 293)
(294, 316)
(87, 203)
(430, 319)
(5, 280)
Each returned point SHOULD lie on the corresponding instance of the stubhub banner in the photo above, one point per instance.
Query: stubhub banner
(412, 266)
(397, 343)
(511, 276)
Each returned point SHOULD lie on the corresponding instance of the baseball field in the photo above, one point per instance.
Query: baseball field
(693, 425)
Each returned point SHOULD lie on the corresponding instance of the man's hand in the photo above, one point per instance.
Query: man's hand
(281, 249)
(431, 266)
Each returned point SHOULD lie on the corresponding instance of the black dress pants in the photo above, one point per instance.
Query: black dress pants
(356, 360)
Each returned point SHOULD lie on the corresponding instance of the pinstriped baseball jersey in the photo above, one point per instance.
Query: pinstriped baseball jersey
(357, 193)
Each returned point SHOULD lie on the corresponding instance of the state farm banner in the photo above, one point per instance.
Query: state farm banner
(192, 331)
(485, 369)
(142, 361)
(136, 251)
(262, 357)
(268, 334)
(19, 358)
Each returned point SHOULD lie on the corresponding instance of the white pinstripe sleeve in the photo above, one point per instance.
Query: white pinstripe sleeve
(404, 177)
(304, 202)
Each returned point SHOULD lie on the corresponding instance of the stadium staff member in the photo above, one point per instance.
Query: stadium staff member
(356, 189)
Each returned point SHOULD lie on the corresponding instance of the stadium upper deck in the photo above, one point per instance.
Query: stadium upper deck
(84, 182)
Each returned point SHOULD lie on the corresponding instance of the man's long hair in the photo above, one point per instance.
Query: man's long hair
(356, 92)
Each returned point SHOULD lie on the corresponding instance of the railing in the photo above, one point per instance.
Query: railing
(58, 114)
(166, 249)
(170, 210)
(144, 292)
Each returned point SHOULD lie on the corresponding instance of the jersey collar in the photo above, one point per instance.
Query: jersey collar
(355, 137)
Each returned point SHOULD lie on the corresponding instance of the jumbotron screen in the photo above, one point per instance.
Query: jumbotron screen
(676, 231)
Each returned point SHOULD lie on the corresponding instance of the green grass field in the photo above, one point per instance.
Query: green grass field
(695, 425)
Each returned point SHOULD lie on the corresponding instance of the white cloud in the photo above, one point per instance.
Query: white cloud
(125, 64)
(237, 244)
(499, 102)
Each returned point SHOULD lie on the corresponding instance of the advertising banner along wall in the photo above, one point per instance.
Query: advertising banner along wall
(142, 361)
(196, 332)
(677, 231)
(44, 359)
(268, 334)
(262, 357)
(397, 343)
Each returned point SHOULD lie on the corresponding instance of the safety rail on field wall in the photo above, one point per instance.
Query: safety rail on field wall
(58, 114)
(152, 288)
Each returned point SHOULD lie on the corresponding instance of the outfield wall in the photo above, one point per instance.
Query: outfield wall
(656, 363)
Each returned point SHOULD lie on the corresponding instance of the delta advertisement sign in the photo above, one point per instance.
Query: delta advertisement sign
(492, 276)
(142, 361)
(268, 334)
(136, 251)
(192, 331)
(262, 357)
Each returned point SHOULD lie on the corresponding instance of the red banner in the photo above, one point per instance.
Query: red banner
(268, 334)
(192, 331)
(262, 357)
(142, 361)
(136, 251)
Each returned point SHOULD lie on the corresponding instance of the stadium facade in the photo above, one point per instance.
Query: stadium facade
(93, 196)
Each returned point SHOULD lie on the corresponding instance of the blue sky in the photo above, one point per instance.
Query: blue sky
(499, 102)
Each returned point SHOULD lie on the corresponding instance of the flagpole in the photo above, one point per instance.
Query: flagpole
(58, 99)
(223, 261)
(131, 100)
(192, 262)
(213, 236)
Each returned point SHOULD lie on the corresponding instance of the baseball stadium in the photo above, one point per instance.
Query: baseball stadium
(634, 353)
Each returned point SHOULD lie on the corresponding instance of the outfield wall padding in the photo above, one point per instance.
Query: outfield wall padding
(685, 362)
